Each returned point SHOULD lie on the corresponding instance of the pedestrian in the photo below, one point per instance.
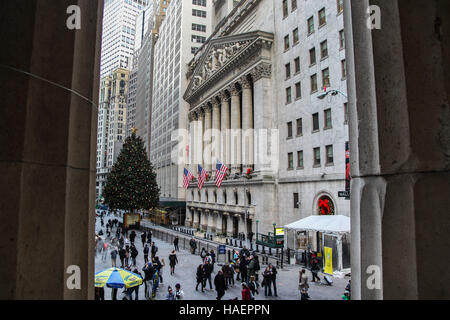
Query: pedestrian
(175, 243)
(143, 238)
(122, 254)
(113, 257)
(203, 254)
(273, 279)
(246, 295)
(149, 236)
(146, 251)
(257, 267)
(100, 293)
(172, 262)
(253, 286)
(136, 288)
(159, 266)
(303, 285)
(243, 269)
(200, 277)
(179, 294)
(127, 256)
(236, 266)
(219, 284)
(208, 272)
(250, 236)
(134, 254)
(213, 258)
(193, 245)
(149, 270)
(315, 267)
(170, 294)
(154, 250)
(266, 282)
(132, 236)
(228, 274)
(105, 251)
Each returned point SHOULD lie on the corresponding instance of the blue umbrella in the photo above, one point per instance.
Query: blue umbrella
(117, 278)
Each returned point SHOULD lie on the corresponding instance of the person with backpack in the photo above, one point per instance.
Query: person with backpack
(158, 265)
(315, 268)
(172, 262)
(154, 250)
(146, 251)
(193, 245)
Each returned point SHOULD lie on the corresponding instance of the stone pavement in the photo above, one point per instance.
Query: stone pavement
(287, 278)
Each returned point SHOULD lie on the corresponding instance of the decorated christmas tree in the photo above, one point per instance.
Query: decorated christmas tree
(131, 185)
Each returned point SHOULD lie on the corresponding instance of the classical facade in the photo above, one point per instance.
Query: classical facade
(255, 106)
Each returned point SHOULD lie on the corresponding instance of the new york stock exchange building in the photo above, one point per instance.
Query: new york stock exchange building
(253, 106)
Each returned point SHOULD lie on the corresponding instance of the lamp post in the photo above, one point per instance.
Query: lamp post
(333, 92)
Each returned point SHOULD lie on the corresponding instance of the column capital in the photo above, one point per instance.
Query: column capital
(214, 103)
(245, 83)
(233, 91)
(223, 96)
(263, 70)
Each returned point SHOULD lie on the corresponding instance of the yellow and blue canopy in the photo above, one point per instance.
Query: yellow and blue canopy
(117, 278)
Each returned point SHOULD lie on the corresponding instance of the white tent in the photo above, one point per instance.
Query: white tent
(327, 224)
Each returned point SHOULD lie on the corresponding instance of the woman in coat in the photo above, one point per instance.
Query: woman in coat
(172, 262)
(246, 295)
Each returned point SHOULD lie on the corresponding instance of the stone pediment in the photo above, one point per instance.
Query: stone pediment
(222, 55)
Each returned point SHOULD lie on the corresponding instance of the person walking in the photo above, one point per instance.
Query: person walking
(105, 251)
(203, 254)
(208, 273)
(219, 284)
(179, 294)
(251, 267)
(113, 257)
(303, 285)
(149, 236)
(228, 274)
(246, 295)
(170, 294)
(172, 262)
(253, 286)
(122, 254)
(136, 289)
(134, 254)
(154, 250)
(212, 254)
(127, 256)
(132, 237)
(266, 282)
(193, 245)
(159, 266)
(175, 243)
(149, 270)
(315, 268)
(146, 251)
(243, 269)
(273, 279)
(143, 238)
(200, 277)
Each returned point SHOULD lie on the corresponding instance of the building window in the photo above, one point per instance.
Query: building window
(198, 27)
(344, 69)
(313, 83)
(325, 206)
(285, 9)
(293, 5)
(340, 6)
(310, 25)
(290, 161)
(288, 95)
(298, 90)
(327, 118)
(325, 78)
(288, 70)
(289, 130)
(194, 50)
(296, 201)
(199, 13)
(295, 35)
(315, 118)
(330, 158)
(341, 39)
(286, 43)
(322, 17)
(198, 39)
(299, 127)
(299, 159)
(324, 49)
(198, 2)
(297, 65)
(225, 197)
(316, 157)
(312, 56)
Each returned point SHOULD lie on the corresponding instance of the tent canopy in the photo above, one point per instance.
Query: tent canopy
(327, 224)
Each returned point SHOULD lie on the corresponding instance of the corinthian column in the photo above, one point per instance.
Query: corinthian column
(199, 141)
(207, 139)
(235, 136)
(215, 137)
(224, 128)
(247, 124)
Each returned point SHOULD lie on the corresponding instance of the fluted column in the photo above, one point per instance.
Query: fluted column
(228, 224)
(224, 128)
(218, 223)
(235, 136)
(215, 137)
(247, 124)
(199, 145)
(207, 139)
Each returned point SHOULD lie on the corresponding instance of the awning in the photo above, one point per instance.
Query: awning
(327, 224)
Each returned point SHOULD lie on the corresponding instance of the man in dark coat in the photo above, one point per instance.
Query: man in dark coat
(175, 243)
(149, 271)
(154, 250)
(219, 283)
(200, 277)
(273, 279)
(143, 238)
(149, 236)
(132, 236)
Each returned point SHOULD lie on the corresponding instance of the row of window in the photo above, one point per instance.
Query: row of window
(328, 124)
(199, 13)
(329, 158)
(322, 16)
(198, 39)
(199, 2)
(198, 27)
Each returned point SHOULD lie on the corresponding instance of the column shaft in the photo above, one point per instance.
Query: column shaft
(235, 136)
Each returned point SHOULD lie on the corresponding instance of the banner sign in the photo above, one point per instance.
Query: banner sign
(279, 231)
(328, 258)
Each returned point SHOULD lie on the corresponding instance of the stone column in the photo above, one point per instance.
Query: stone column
(247, 124)
(219, 222)
(398, 89)
(204, 214)
(265, 158)
(207, 139)
(192, 134)
(224, 128)
(48, 121)
(196, 214)
(235, 136)
(228, 224)
(199, 143)
(215, 143)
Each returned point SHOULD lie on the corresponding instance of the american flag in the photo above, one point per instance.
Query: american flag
(220, 174)
(187, 178)
(201, 177)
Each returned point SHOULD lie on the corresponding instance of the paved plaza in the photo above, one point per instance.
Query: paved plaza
(185, 274)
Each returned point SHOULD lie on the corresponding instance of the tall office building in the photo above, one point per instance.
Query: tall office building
(184, 30)
(119, 31)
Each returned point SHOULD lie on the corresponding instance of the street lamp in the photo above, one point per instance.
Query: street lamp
(333, 92)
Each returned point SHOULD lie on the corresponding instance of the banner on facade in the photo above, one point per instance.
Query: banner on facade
(328, 260)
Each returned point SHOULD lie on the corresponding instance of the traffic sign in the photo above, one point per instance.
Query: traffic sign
(222, 249)
(344, 194)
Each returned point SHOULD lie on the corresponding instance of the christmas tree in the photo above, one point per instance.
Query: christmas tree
(131, 185)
